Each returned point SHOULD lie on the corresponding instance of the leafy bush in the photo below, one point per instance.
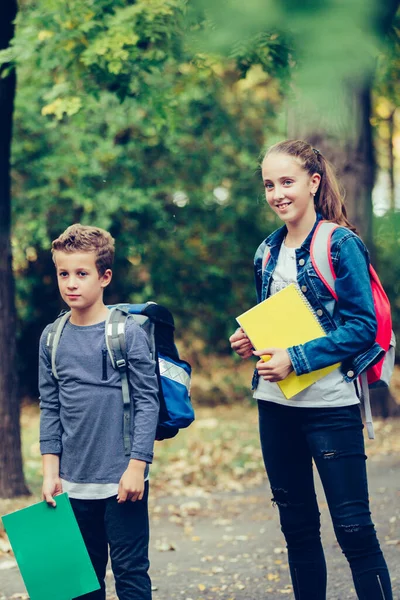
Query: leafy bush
(387, 242)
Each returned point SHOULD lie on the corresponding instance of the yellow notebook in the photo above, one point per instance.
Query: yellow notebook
(283, 320)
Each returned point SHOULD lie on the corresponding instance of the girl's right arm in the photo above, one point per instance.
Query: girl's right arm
(357, 330)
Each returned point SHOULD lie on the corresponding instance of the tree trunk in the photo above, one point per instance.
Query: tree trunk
(12, 481)
(348, 145)
(392, 183)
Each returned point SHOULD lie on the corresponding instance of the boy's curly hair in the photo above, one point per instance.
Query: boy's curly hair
(83, 238)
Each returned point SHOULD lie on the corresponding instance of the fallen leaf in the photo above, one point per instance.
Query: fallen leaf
(7, 564)
(5, 545)
(164, 545)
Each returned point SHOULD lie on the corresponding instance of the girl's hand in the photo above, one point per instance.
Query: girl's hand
(241, 344)
(277, 367)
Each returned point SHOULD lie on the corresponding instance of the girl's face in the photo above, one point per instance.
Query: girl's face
(289, 188)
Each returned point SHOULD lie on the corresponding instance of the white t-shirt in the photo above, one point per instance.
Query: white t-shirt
(331, 390)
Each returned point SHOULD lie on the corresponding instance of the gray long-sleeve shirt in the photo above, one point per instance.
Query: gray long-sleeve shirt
(82, 412)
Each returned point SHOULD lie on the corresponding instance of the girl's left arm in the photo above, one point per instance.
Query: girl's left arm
(357, 330)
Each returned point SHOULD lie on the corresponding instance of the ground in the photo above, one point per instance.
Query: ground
(232, 547)
(220, 538)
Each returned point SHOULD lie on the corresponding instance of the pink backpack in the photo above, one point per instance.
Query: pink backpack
(380, 373)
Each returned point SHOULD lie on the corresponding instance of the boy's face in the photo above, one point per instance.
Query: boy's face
(79, 282)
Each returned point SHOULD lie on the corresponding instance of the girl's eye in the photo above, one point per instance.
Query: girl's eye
(268, 186)
(288, 182)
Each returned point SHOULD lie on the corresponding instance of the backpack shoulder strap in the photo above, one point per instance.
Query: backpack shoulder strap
(53, 339)
(116, 346)
(320, 253)
(115, 333)
(367, 405)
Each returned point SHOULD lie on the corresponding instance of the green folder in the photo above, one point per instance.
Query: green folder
(50, 551)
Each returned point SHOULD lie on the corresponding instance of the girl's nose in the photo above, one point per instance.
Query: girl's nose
(278, 193)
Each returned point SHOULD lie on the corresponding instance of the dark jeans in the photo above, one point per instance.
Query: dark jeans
(290, 438)
(125, 528)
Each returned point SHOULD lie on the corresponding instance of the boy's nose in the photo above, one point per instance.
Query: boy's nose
(71, 284)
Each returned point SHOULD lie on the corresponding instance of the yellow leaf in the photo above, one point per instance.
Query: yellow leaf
(201, 587)
(45, 34)
(70, 45)
(50, 109)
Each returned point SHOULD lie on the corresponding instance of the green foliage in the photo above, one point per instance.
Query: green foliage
(172, 172)
(387, 240)
(332, 44)
(125, 120)
(88, 46)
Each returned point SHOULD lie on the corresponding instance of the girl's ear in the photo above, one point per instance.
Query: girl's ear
(106, 278)
(314, 182)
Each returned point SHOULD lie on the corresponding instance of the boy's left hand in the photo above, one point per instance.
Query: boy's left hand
(131, 485)
(277, 367)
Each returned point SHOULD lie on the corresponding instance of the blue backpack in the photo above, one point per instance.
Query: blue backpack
(173, 373)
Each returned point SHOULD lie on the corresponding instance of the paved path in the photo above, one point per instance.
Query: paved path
(229, 546)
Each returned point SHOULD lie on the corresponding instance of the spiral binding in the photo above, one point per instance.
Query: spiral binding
(309, 306)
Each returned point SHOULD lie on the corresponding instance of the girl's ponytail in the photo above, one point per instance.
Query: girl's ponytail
(329, 200)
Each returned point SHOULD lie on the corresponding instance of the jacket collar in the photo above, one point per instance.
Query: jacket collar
(276, 238)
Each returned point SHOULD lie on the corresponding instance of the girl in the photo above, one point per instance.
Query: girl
(323, 422)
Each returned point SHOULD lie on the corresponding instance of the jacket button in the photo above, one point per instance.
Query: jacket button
(302, 262)
(304, 288)
(350, 373)
(320, 312)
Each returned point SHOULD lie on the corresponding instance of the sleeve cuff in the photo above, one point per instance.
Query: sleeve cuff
(299, 360)
(50, 447)
(148, 458)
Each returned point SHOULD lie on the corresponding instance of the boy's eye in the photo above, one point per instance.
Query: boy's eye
(63, 274)
(82, 273)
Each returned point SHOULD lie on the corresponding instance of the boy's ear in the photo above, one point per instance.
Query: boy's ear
(106, 278)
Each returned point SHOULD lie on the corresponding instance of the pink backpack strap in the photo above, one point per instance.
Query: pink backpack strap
(320, 254)
(265, 259)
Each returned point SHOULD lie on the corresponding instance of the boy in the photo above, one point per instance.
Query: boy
(81, 425)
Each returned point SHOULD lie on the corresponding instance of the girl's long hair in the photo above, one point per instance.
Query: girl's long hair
(329, 199)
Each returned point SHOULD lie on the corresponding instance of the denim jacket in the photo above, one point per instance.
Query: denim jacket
(350, 323)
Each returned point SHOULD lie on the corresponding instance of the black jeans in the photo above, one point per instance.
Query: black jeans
(290, 438)
(125, 528)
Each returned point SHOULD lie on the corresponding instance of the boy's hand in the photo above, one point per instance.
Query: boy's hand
(51, 487)
(131, 485)
(241, 344)
(277, 367)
